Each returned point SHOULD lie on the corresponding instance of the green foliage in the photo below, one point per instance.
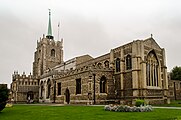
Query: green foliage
(176, 73)
(39, 112)
(139, 102)
(3, 96)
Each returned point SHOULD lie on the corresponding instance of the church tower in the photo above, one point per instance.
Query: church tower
(49, 52)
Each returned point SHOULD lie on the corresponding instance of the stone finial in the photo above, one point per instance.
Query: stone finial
(151, 35)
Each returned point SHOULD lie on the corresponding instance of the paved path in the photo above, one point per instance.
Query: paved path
(91, 105)
(167, 107)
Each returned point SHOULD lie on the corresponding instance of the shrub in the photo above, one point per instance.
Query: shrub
(139, 103)
(3, 96)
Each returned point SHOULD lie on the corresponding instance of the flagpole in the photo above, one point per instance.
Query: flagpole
(58, 29)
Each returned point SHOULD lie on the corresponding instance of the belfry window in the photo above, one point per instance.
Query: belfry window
(117, 65)
(128, 62)
(78, 86)
(103, 84)
(53, 53)
(152, 69)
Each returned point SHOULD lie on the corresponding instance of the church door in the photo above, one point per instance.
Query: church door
(30, 97)
(67, 96)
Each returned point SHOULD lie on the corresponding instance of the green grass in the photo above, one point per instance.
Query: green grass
(35, 112)
(174, 103)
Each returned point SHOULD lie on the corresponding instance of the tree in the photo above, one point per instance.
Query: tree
(3, 96)
(176, 73)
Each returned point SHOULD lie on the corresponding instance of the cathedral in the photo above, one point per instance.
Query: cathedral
(136, 70)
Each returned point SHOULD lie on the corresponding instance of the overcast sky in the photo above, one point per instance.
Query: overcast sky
(87, 26)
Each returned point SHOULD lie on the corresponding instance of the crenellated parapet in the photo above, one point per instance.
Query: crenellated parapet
(17, 76)
(23, 79)
(52, 42)
(91, 69)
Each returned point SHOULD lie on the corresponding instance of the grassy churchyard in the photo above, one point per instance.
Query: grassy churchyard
(40, 112)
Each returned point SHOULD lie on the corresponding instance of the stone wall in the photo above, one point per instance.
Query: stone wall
(86, 96)
(175, 89)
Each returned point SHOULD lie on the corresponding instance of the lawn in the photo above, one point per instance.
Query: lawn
(35, 112)
(174, 103)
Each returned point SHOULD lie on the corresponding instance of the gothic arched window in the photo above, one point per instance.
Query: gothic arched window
(152, 69)
(48, 88)
(103, 85)
(106, 64)
(99, 65)
(53, 52)
(78, 86)
(128, 62)
(117, 65)
(41, 93)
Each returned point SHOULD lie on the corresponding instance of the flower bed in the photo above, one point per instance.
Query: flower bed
(125, 108)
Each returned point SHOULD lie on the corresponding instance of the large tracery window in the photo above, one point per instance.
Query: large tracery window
(103, 84)
(152, 69)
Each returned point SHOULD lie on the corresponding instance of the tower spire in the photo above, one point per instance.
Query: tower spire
(49, 35)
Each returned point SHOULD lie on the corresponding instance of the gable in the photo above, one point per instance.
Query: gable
(150, 42)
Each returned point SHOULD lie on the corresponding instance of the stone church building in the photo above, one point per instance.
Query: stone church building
(136, 70)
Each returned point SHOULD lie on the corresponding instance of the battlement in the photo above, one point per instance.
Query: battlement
(17, 76)
(51, 42)
(90, 68)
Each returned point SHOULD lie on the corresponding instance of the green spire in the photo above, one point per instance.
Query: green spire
(49, 35)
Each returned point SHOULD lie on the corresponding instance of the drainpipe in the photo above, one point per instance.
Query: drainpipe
(54, 95)
(175, 94)
(94, 93)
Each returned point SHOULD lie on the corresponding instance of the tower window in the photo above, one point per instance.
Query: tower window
(38, 60)
(78, 86)
(53, 53)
